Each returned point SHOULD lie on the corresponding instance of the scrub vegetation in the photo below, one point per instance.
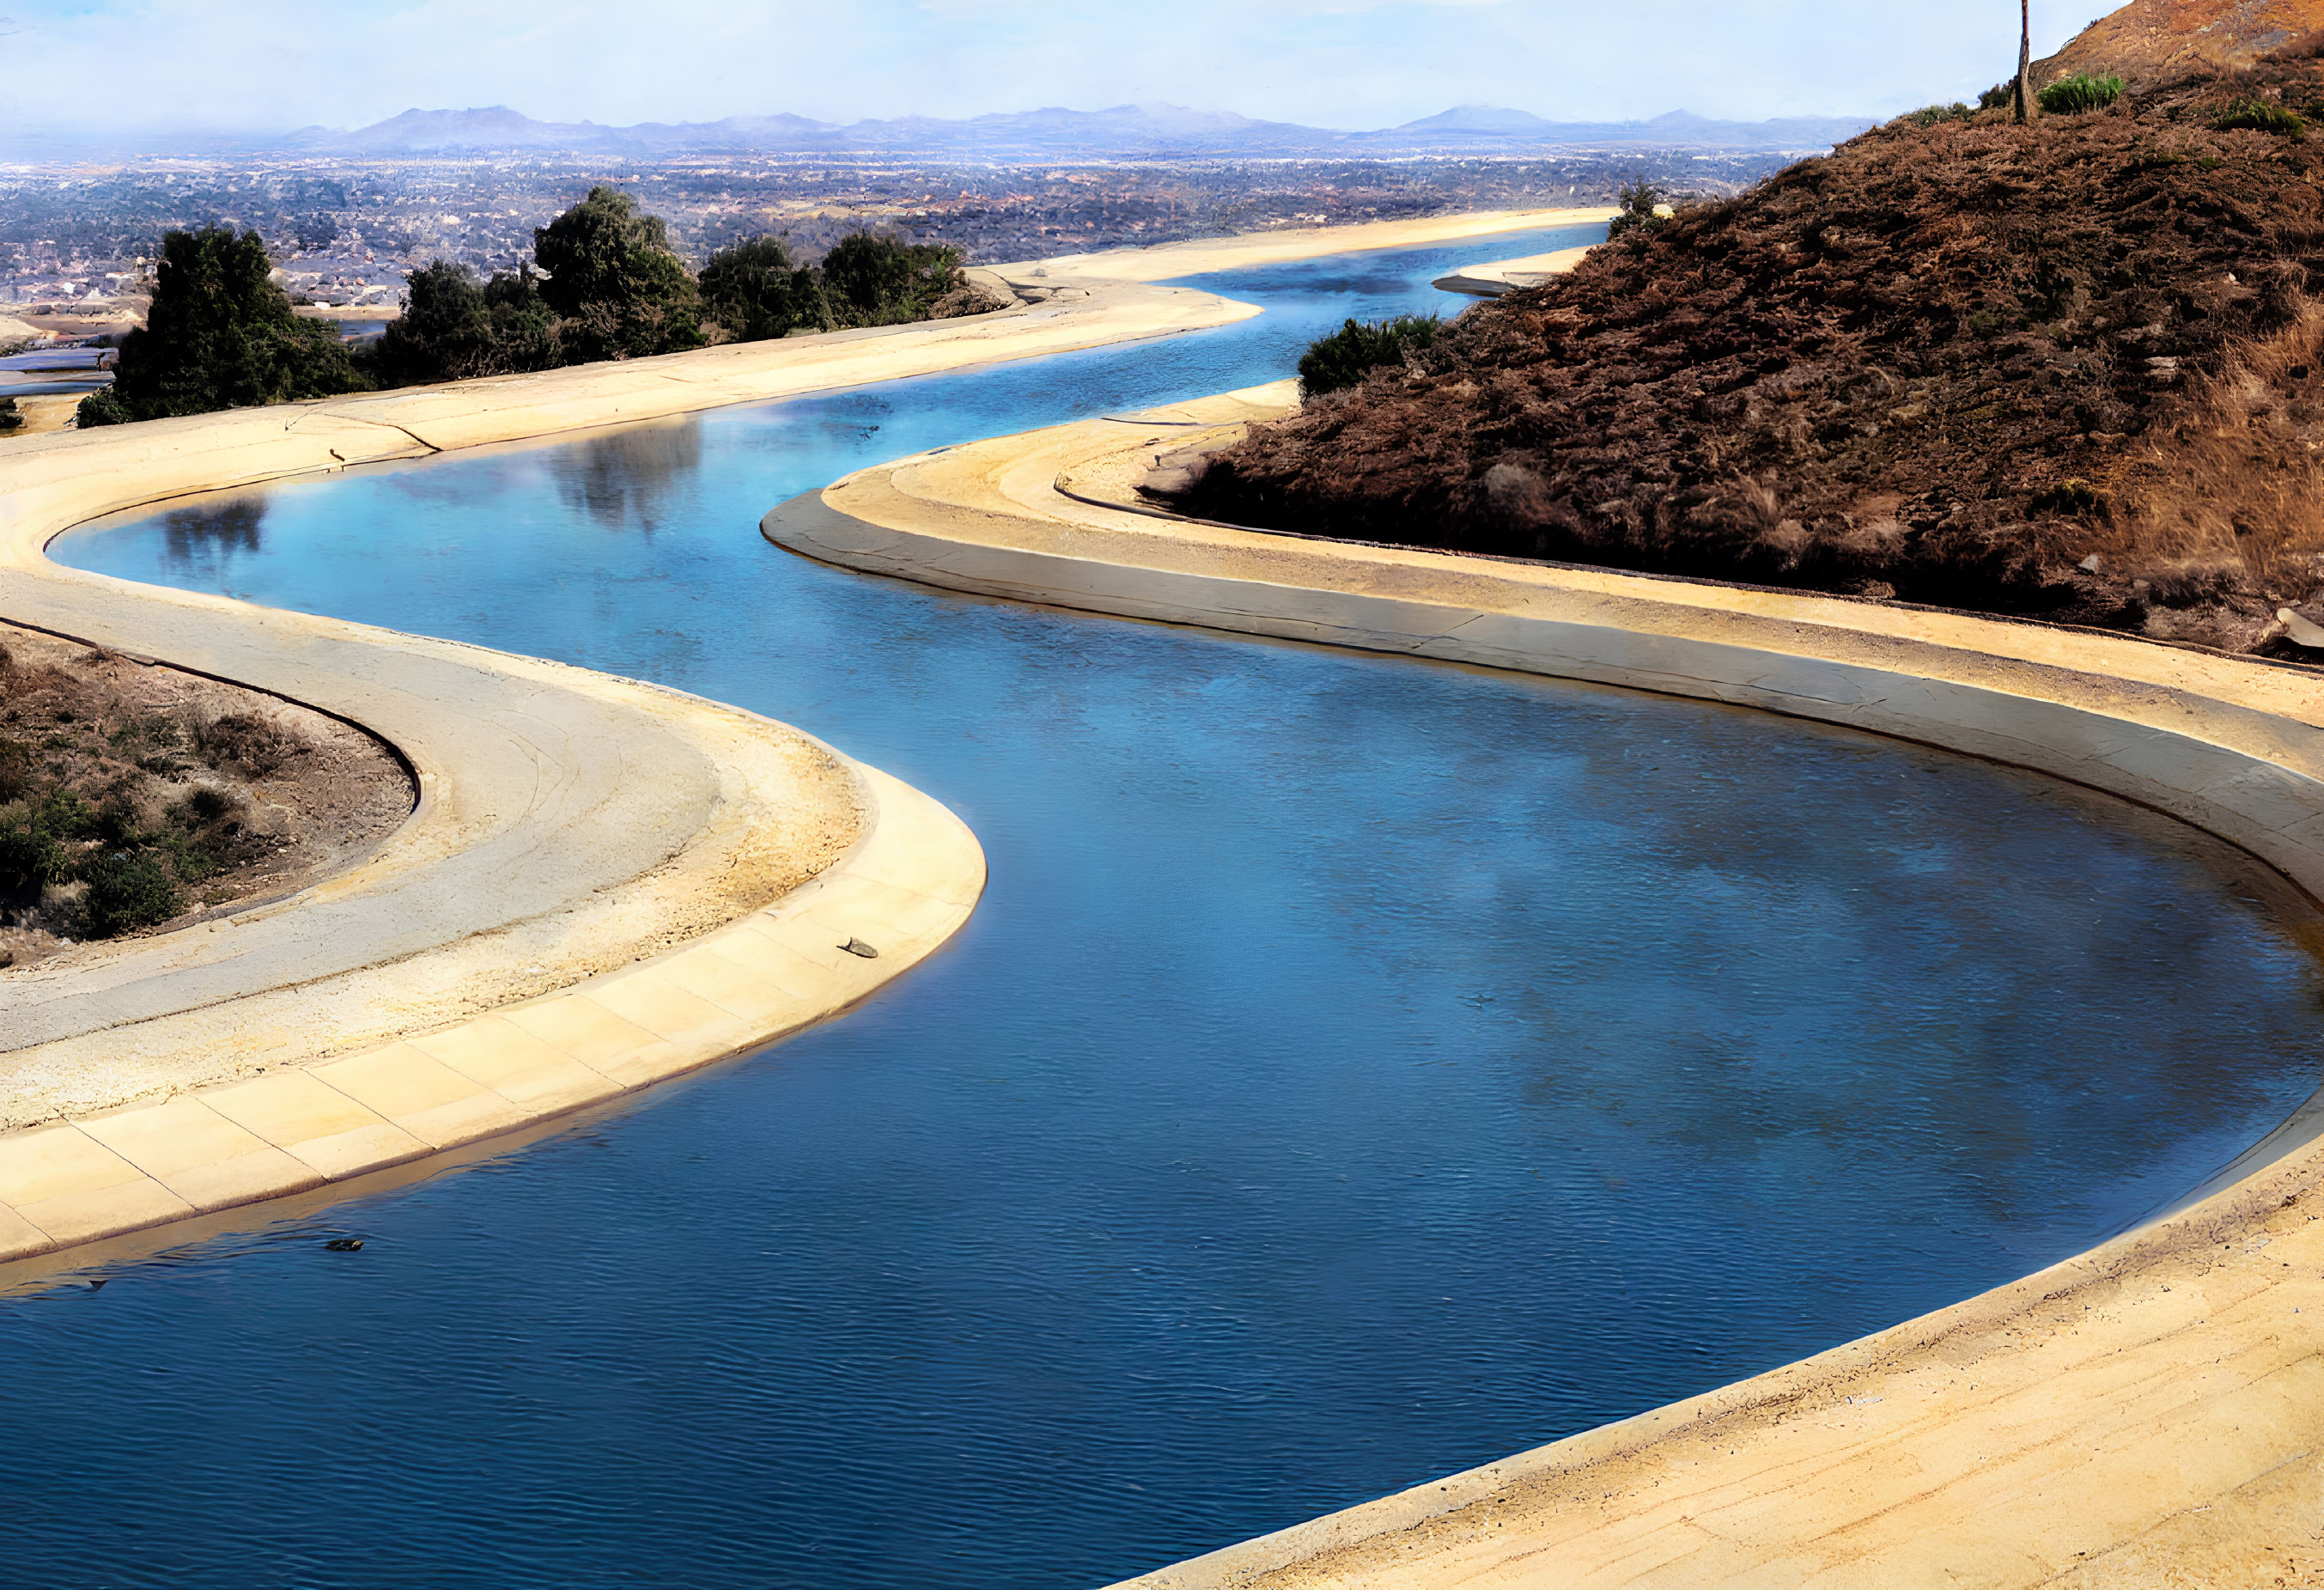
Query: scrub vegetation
(2072, 369)
(132, 795)
(221, 333)
(1638, 211)
(2081, 93)
(1345, 357)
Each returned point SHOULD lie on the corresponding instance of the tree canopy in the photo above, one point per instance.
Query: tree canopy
(614, 280)
(874, 279)
(454, 327)
(754, 292)
(220, 334)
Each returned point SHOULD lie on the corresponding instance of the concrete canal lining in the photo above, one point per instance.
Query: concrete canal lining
(605, 882)
(2149, 1412)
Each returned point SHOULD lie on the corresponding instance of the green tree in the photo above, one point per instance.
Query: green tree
(755, 292)
(876, 279)
(220, 334)
(454, 327)
(619, 290)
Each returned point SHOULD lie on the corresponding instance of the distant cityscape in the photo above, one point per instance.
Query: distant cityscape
(349, 220)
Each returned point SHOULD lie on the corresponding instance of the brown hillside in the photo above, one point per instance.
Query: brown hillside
(2153, 41)
(2072, 370)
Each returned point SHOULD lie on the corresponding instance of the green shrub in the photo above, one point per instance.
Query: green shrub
(454, 327)
(621, 290)
(1636, 212)
(33, 837)
(756, 292)
(116, 819)
(1347, 356)
(101, 407)
(875, 279)
(2083, 91)
(2260, 116)
(1930, 115)
(30, 856)
(126, 890)
(189, 861)
(2000, 96)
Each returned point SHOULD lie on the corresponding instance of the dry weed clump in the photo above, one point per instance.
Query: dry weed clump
(2233, 490)
(245, 743)
(109, 819)
(2071, 370)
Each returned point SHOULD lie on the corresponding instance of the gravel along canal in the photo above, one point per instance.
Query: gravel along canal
(1357, 1069)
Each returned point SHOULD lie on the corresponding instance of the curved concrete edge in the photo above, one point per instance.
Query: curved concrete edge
(2144, 1415)
(2148, 1412)
(905, 888)
(1497, 278)
(549, 766)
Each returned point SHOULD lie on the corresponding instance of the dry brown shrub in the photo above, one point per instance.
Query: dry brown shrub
(243, 743)
(2237, 484)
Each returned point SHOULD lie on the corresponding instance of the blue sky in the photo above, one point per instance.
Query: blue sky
(1343, 63)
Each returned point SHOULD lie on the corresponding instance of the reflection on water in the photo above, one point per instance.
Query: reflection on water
(628, 479)
(199, 544)
(1357, 1068)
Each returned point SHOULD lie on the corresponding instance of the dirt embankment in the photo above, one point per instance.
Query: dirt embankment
(135, 798)
(2072, 370)
(2151, 41)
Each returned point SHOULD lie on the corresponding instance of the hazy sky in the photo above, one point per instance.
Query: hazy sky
(1339, 63)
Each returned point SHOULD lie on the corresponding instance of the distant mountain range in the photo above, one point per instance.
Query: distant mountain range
(1124, 131)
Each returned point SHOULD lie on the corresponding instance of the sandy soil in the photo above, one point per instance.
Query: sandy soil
(322, 796)
(325, 312)
(113, 315)
(42, 415)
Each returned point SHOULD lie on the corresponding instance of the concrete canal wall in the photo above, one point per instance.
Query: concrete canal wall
(2151, 1412)
(604, 883)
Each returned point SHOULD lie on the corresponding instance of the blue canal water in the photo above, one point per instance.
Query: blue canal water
(1359, 1068)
